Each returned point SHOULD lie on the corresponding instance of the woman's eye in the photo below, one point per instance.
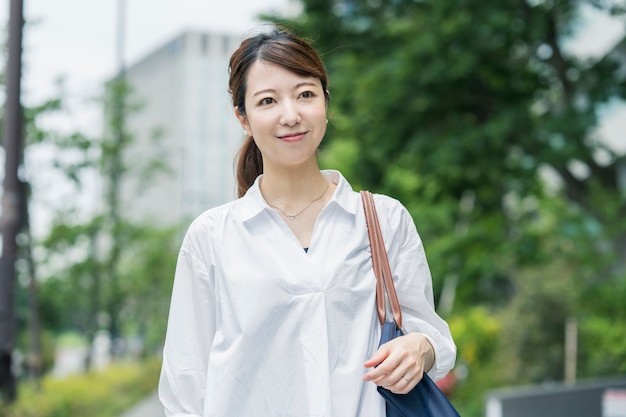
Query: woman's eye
(266, 100)
(307, 94)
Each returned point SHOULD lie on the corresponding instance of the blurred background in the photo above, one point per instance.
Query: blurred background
(500, 124)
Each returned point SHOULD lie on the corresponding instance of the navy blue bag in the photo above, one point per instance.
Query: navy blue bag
(426, 399)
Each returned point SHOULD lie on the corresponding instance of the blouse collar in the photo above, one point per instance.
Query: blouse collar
(254, 204)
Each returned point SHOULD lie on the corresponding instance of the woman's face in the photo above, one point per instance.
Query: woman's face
(285, 114)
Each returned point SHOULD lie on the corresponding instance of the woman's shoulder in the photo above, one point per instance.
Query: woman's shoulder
(214, 217)
(387, 204)
(393, 216)
(208, 225)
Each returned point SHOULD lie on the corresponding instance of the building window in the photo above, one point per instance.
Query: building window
(204, 44)
(176, 46)
(226, 45)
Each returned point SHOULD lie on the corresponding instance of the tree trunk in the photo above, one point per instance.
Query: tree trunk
(11, 221)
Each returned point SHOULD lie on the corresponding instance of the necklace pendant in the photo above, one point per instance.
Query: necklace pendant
(294, 216)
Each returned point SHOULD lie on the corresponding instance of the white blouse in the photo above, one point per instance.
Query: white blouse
(259, 327)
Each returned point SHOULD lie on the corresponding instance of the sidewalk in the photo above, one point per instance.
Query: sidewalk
(149, 407)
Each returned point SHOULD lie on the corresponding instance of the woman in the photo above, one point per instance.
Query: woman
(273, 307)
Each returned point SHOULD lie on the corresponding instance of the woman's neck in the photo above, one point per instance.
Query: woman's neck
(287, 188)
(298, 196)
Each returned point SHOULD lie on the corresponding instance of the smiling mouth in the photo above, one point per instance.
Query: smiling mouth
(292, 137)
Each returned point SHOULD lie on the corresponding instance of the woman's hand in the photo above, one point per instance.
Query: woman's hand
(400, 363)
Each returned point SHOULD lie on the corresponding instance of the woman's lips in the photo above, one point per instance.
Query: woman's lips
(293, 137)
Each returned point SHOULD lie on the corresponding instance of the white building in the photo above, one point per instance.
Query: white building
(183, 89)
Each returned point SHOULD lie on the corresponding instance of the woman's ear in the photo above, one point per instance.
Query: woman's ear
(243, 120)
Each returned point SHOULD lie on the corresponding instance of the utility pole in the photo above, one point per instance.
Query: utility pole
(571, 349)
(11, 220)
(115, 167)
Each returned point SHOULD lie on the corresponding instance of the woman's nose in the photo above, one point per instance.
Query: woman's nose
(290, 114)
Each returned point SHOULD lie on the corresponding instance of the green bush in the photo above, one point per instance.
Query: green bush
(476, 331)
(106, 393)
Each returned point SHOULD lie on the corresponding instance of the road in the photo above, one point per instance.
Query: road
(149, 407)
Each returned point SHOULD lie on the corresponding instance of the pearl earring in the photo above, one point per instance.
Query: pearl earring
(245, 133)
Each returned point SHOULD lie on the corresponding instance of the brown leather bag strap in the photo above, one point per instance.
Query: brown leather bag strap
(384, 279)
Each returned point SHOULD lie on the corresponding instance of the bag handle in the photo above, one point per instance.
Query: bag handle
(382, 270)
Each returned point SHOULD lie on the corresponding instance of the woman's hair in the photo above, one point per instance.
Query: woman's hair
(279, 47)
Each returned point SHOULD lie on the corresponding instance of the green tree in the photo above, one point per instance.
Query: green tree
(104, 271)
(27, 311)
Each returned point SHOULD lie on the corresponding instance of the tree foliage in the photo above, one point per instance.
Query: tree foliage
(99, 270)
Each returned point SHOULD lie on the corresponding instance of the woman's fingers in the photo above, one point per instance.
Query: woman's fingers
(397, 365)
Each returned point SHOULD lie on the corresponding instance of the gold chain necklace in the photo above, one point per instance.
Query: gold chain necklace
(294, 216)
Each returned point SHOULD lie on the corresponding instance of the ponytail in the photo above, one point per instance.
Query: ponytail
(249, 166)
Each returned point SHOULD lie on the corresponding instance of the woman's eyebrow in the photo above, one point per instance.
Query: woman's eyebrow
(299, 85)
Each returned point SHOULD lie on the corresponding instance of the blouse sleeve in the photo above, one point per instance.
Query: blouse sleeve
(190, 330)
(414, 285)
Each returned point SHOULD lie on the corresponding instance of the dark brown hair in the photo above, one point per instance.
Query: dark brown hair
(280, 47)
